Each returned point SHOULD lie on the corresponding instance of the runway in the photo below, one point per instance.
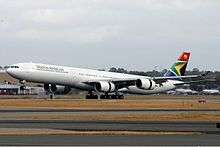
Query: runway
(194, 124)
(150, 140)
(16, 113)
(205, 133)
(64, 119)
(204, 127)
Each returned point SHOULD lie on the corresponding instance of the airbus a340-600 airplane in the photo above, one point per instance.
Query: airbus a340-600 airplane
(106, 84)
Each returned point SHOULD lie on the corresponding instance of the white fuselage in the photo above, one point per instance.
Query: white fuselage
(77, 77)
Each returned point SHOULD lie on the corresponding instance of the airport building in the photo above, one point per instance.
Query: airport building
(12, 89)
(9, 89)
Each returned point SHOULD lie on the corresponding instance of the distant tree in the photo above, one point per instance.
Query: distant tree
(122, 70)
(154, 73)
(195, 70)
(217, 77)
(113, 69)
(164, 71)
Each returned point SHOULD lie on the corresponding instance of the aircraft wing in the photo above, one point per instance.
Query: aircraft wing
(160, 80)
(196, 82)
(125, 82)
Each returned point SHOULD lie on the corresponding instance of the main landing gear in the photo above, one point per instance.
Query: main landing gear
(51, 96)
(50, 90)
(112, 96)
(50, 93)
(92, 95)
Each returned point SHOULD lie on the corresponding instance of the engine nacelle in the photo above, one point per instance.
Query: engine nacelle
(57, 89)
(145, 84)
(62, 89)
(103, 86)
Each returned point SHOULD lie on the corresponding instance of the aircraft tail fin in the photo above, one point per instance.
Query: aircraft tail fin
(179, 67)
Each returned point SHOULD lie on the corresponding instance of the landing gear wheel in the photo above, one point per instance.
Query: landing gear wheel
(95, 96)
(117, 96)
(114, 96)
(105, 96)
(87, 96)
(102, 96)
(91, 95)
(51, 96)
(121, 97)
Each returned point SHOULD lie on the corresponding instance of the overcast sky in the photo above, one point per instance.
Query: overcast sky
(133, 34)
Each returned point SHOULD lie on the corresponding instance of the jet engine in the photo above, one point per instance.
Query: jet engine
(103, 86)
(145, 84)
(57, 89)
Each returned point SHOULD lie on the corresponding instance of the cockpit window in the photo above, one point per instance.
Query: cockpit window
(14, 67)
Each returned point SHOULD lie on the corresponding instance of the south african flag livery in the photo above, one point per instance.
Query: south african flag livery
(179, 68)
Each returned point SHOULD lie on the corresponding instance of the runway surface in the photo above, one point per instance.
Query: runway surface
(205, 127)
(200, 132)
(209, 133)
(30, 113)
(159, 140)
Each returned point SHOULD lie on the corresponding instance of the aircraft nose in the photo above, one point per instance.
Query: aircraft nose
(10, 71)
(13, 72)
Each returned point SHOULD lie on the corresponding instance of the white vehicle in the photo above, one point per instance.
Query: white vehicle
(211, 91)
(185, 91)
(106, 84)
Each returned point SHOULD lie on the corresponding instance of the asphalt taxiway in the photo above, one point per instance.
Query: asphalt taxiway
(10, 113)
(201, 133)
(151, 140)
(203, 127)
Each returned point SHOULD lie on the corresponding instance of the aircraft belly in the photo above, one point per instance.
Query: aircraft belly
(56, 78)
